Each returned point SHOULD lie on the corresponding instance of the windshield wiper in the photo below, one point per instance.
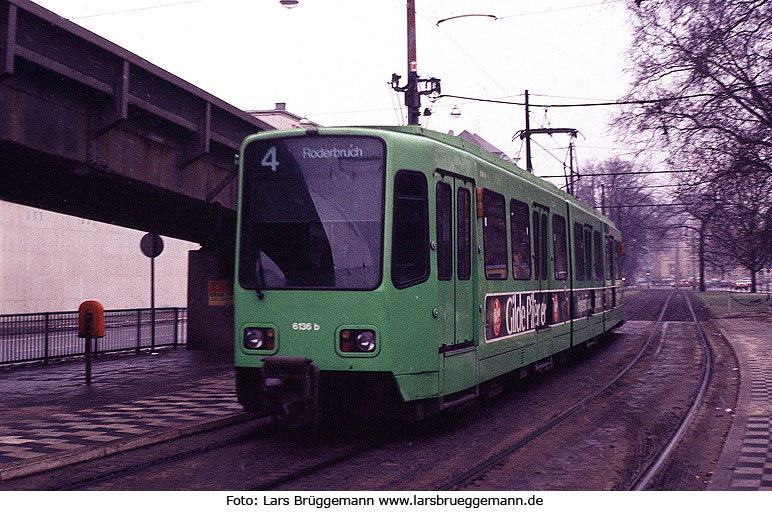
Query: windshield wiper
(260, 278)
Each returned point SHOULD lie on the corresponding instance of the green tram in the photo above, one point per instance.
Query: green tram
(396, 271)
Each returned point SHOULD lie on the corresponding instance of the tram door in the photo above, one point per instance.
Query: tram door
(458, 356)
(559, 297)
(541, 274)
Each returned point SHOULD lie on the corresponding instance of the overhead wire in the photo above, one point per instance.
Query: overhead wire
(475, 99)
(643, 186)
(502, 100)
(625, 173)
(551, 155)
(147, 8)
(614, 103)
(553, 10)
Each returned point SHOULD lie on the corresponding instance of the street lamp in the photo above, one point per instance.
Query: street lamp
(289, 4)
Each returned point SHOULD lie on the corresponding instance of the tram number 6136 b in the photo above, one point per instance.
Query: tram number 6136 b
(306, 326)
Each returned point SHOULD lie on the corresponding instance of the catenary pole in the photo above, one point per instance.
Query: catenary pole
(412, 98)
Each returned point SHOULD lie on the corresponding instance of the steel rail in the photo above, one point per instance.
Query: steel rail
(315, 468)
(246, 434)
(645, 477)
(358, 450)
(554, 421)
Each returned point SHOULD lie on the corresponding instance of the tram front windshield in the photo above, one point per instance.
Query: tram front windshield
(312, 213)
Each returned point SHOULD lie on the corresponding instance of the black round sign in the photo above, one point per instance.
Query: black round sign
(151, 245)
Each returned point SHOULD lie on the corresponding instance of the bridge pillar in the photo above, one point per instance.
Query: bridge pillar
(210, 299)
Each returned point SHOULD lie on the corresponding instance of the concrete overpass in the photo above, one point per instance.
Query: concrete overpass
(91, 130)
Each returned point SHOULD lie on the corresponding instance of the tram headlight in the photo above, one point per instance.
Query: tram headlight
(357, 340)
(259, 338)
(366, 341)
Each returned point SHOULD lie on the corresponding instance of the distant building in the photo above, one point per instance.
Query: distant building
(281, 119)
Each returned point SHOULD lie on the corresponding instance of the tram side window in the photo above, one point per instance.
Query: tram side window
(543, 241)
(598, 255)
(609, 260)
(559, 246)
(494, 235)
(464, 236)
(444, 231)
(410, 231)
(521, 240)
(536, 245)
(588, 251)
(540, 245)
(579, 251)
(620, 260)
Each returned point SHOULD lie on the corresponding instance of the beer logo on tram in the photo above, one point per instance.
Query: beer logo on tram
(522, 312)
(496, 317)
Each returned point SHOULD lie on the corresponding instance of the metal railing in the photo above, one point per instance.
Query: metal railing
(54, 335)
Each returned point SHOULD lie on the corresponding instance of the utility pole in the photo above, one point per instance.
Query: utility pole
(528, 163)
(412, 98)
(570, 183)
(603, 199)
(411, 89)
(526, 134)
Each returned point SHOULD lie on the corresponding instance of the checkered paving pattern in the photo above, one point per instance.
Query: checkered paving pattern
(205, 400)
(753, 468)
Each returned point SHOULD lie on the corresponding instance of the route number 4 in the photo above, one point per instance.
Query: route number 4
(269, 159)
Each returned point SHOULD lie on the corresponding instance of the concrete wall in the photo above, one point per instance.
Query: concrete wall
(53, 262)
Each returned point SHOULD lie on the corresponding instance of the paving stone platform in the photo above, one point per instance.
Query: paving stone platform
(746, 462)
(48, 410)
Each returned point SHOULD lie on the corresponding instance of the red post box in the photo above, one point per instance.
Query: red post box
(91, 319)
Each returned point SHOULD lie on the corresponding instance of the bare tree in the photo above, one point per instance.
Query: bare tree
(704, 68)
(742, 230)
(701, 203)
(628, 201)
(708, 63)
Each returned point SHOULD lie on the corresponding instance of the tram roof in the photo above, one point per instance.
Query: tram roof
(472, 148)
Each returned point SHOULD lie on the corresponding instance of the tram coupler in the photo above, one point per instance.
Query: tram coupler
(290, 390)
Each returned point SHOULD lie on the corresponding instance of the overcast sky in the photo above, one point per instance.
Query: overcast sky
(331, 60)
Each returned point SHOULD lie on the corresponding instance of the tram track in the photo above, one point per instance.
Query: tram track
(94, 473)
(305, 473)
(644, 467)
(279, 455)
(497, 458)
(646, 476)
(382, 458)
(313, 469)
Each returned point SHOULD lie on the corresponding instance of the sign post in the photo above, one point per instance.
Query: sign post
(152, 245)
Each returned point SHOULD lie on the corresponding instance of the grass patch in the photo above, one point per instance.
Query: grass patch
(725, 303)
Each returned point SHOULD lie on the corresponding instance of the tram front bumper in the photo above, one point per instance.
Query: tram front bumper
(289, 385)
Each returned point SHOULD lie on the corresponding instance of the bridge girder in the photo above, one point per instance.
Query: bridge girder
(91, 130)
